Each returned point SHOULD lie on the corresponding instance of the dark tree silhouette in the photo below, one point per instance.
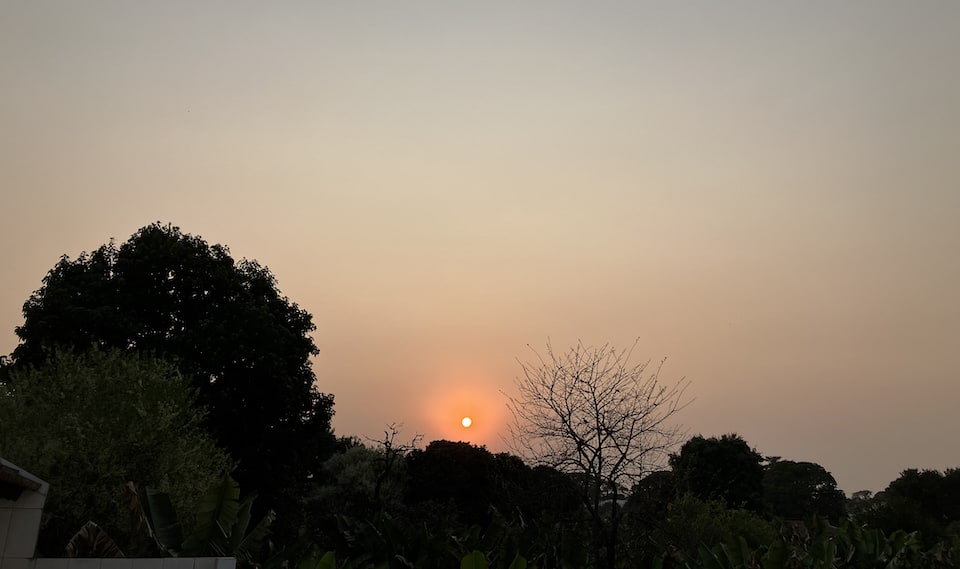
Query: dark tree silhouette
(797, 490)
(724, 469)
(225, 324)
(927, 501)
(936, 493)
(453, 472)
(650, 497)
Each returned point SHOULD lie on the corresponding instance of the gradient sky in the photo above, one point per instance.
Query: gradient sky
(766, 193)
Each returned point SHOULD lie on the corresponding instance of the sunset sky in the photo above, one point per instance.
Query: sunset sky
(766, 193)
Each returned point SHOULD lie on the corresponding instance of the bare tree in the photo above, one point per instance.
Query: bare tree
(593, 413)
(390, 452)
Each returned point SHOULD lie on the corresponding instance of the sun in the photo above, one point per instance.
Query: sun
(466, 422)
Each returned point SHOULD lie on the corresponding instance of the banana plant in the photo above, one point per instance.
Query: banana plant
(221, 528)
(92, 541)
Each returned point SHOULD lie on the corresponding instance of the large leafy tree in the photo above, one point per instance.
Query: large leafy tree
(918, 500)
(797, 490)
(456, 472)
(246, 347)
(724, 469)
(89, 423)
(936, 493)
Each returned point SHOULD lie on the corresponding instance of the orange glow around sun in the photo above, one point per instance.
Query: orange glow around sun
(468, 407)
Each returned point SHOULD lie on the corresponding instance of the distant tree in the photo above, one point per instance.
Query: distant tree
(593, 413)
(453, 472)
(391, 459)
(351, 481)
(950, 493)
(552, 493)
(362, 480)
(861, 506)
(927, 501)
(723, 468)
(651, 496)
(797, 490)
(936, 493)
(646, 510)
(89, 423)
(225, 325)
(512, 483)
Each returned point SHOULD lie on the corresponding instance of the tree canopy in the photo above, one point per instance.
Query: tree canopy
(225, 324)
(918, 500)
(797, 490)
(89, 423)
(453, 471)
(723, 468)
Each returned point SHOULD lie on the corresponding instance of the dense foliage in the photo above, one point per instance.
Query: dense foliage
(723, 468)
(89, 423)
(223, 323)
(926, 501)
(800, 490)
(437, 523)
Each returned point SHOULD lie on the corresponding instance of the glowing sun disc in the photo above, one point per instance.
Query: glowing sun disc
(466, 422)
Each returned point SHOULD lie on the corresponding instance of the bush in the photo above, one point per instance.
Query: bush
(89, 423)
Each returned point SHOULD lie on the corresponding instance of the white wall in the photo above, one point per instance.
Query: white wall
(20, 520)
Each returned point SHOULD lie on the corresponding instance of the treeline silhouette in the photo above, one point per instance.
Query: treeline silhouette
(148, 371)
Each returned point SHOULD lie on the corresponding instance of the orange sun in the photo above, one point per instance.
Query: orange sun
(466, 422)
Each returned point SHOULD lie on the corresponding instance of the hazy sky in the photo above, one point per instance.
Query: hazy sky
(765, 192)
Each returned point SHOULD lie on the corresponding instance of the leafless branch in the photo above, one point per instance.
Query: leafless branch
(591, 411)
